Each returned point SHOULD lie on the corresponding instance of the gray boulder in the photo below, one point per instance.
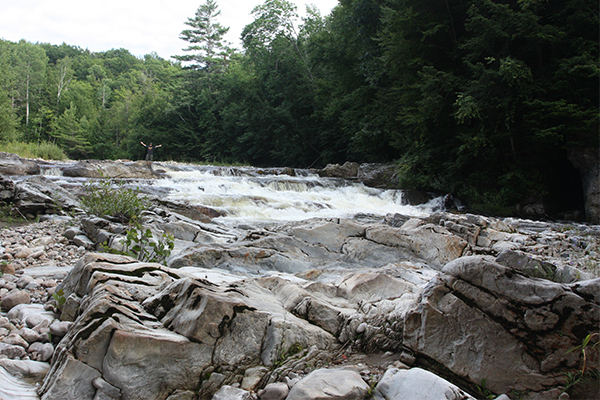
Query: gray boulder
(111, 169)
(149, 330)
(230, 393)
(8, 189)
(429, 242)
(347, 171)
(12, 164)
(378, 175)
(416, 383)
(334, 384)
(485, 321)
(15, 298)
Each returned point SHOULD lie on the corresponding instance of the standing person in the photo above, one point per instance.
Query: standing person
(150, 148)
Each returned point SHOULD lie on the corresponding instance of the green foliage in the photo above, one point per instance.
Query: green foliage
(142, 245)
(8, 216)
(290, 352)
(59, 296)
(484, 391)
(585, 376)
(108, 198)
(479, 98)
(43, 150)
(209, 50)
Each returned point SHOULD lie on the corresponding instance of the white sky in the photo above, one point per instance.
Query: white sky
(140, 26)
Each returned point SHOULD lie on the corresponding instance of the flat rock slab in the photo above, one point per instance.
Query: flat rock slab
(49, 271)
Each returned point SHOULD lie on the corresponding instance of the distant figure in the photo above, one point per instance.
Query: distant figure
(150, 148)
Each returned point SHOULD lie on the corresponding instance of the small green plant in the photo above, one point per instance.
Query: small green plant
(583, 347)
(141, 245)
(107, 198)
(59, 296)
(8, 217)
(575, 378)
(484, 391)
(291, 351)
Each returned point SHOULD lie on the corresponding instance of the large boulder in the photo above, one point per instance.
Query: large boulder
(378, 175)
(331, 384)
(416, 383)
(148, 331)
(111, 169)
(486, 322)
(39, 195)
(429, 242)
(12, 164)
(347, 171)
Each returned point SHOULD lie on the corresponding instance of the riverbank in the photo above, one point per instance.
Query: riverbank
(359, 299)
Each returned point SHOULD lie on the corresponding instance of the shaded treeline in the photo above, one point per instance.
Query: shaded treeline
(479, 98)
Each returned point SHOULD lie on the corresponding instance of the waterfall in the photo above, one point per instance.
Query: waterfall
(249, 194)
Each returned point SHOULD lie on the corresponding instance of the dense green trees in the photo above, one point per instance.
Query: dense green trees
(481, 98)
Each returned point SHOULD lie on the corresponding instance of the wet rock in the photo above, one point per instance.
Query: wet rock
(347, 171)
(378, 175)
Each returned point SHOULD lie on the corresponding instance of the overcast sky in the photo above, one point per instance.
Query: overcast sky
(140, 26)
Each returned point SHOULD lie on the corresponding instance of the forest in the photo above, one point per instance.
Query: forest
(479, 98)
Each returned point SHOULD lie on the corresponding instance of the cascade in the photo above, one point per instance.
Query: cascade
(247, 195)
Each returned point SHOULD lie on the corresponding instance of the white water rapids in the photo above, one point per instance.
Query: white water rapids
(248, 195)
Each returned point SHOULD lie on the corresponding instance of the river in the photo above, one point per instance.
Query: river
(252, 194)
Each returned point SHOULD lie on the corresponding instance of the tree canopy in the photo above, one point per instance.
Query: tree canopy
(479, 98)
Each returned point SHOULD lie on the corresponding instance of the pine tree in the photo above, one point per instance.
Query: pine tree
(209, 50)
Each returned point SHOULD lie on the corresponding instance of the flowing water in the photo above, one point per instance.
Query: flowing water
(250, 194)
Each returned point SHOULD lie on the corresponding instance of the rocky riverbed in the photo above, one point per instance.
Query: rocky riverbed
(324, 308)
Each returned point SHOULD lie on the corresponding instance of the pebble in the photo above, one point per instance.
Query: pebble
(274, 391)
(28, 321)
(41, 351)
(15, 298)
